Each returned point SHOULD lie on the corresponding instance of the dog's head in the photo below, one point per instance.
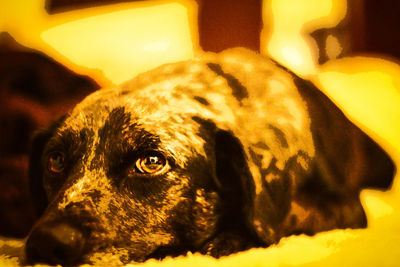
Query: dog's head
(214, 157)
(140, 173)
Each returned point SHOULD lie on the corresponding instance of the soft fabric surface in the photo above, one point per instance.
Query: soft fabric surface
(369, 92)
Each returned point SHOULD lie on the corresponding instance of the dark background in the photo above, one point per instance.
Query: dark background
(35, 90)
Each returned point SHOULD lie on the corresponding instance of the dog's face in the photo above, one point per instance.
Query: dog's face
(133, 173)
(128, 177)
(190, 158)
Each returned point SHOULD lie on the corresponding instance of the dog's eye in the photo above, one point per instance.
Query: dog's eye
(56, 162)
(152, 163)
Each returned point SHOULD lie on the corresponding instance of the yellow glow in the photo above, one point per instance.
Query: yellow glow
(287, 23)
(132, 41)
(376, 206)
(112, 43)
(368, 90)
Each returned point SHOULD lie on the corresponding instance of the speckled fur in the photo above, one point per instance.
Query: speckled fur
(252, 160)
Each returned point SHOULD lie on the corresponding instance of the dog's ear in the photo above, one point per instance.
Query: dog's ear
(325, 195)
(38, 144)
(232, 172)
(321, 196)
(343, 151)
(236, 187)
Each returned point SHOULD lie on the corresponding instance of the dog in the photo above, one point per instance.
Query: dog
(215, 155)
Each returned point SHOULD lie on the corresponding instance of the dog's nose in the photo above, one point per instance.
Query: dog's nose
(55, 244)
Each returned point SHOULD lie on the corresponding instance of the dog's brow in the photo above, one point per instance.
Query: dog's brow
(69, 139)
(238, 90)
(119, 128)
(120, 137)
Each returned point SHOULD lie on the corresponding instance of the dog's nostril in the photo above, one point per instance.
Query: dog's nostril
(55, 244)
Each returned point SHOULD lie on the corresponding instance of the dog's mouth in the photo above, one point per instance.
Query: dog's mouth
(98, 255)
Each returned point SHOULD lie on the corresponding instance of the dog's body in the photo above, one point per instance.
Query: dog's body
(214, 155)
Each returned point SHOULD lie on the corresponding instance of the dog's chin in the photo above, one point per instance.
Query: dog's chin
(113, 257)
(116, 256)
